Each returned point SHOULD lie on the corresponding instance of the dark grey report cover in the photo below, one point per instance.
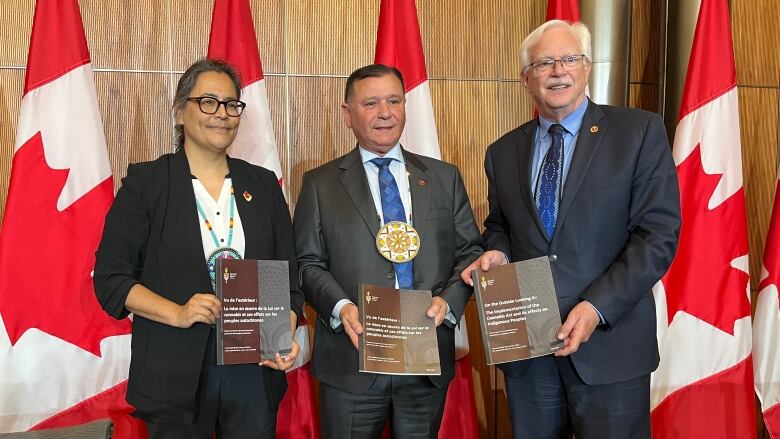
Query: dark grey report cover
(255, 322)
(518, 310)
(398, 337)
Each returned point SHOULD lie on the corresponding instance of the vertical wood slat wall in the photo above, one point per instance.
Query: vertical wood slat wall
(308, 48)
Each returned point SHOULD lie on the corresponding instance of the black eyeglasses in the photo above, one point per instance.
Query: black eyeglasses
(568, 62)
(210, 105)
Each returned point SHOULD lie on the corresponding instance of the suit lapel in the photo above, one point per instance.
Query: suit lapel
(588, 142)
(186, 222)
(525, 154)
(353, 179)
(419, 189)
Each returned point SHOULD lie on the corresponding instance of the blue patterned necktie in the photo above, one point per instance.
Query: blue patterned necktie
(393, 210)
(548, 186)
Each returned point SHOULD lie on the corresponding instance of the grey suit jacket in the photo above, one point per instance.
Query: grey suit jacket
(335, 226)
(616, 234)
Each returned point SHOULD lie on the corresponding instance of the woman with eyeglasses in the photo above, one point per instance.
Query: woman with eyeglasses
(172, 219)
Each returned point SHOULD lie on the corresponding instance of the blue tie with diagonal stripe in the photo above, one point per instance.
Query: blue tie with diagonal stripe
(548, 189)
(393, 210)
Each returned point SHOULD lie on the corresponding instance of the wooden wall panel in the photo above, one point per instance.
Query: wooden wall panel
(458, 40)
(516, 106)
(466, 118)
(15, 27)
(270, 28)
(190, 23)
(331, 37)
(141, 45)
(644, 96)
(645, 41)
(754, 26)
(11, 84)
(277, 101)
(519, 18)
(318, 132)
(758, 124)
(137, 127)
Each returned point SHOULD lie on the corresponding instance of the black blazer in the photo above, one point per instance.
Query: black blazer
(152, 236)
(335, 228)
(615, 237)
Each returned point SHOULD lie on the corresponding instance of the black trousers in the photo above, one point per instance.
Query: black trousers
(412, 404)
(549, 400)
(232, 402)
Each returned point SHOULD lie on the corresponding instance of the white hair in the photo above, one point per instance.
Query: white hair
(578, 30)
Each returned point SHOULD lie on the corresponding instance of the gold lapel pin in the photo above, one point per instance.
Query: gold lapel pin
(247, 196)
(594, 129)
(422, 182)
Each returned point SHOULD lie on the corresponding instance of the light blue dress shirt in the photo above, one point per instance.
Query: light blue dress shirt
(572, 124)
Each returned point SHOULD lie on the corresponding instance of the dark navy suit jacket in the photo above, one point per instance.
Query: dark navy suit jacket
(615, 237)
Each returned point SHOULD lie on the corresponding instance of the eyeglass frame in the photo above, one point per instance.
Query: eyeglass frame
(199, 99)
(535, 69)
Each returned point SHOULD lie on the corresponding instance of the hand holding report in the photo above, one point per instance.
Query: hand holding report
(398, 337)
(518, 310)
(255, 322)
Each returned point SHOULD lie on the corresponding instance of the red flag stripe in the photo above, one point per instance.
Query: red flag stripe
(109, 404)
(689, 412)
(56, 25)
(711, 68)
(772, 420)
(568, 10)
(241, 49)
(399, 43)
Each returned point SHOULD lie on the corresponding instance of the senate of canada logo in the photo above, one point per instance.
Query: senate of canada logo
(486, 282)
(370, 298)
(227, 275)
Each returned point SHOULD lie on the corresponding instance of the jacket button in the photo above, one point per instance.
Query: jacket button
(390, 275)
(553, 258)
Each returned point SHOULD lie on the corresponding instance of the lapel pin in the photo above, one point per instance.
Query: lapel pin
(594, 129)
(422, 182)
(247, 196)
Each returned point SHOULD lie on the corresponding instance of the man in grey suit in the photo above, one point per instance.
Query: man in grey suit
(341, 207)
(593, 188)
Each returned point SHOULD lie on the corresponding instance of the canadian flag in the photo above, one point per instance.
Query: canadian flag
(63, 360)
(703, 387)
(233, 39)
(766, 327)
(398, 44)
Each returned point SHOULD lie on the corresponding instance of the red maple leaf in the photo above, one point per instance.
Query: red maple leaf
(47, 256)
(701, 280)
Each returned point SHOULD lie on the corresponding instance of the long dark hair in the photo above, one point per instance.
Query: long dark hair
(187, 84)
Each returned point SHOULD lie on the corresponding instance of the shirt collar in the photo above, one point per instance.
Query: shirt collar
(395, 153)
(571, 123)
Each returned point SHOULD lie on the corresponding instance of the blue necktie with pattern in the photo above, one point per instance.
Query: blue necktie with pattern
(549, 182)
(393, 210)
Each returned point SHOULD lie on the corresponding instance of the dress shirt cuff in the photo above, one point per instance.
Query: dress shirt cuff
(335, 321)
(601, 317)
(450, 317)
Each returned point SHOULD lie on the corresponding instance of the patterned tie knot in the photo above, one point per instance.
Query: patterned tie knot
(556, 129)
(382, 162)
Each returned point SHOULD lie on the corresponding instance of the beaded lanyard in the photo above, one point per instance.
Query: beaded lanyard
(222, 252)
